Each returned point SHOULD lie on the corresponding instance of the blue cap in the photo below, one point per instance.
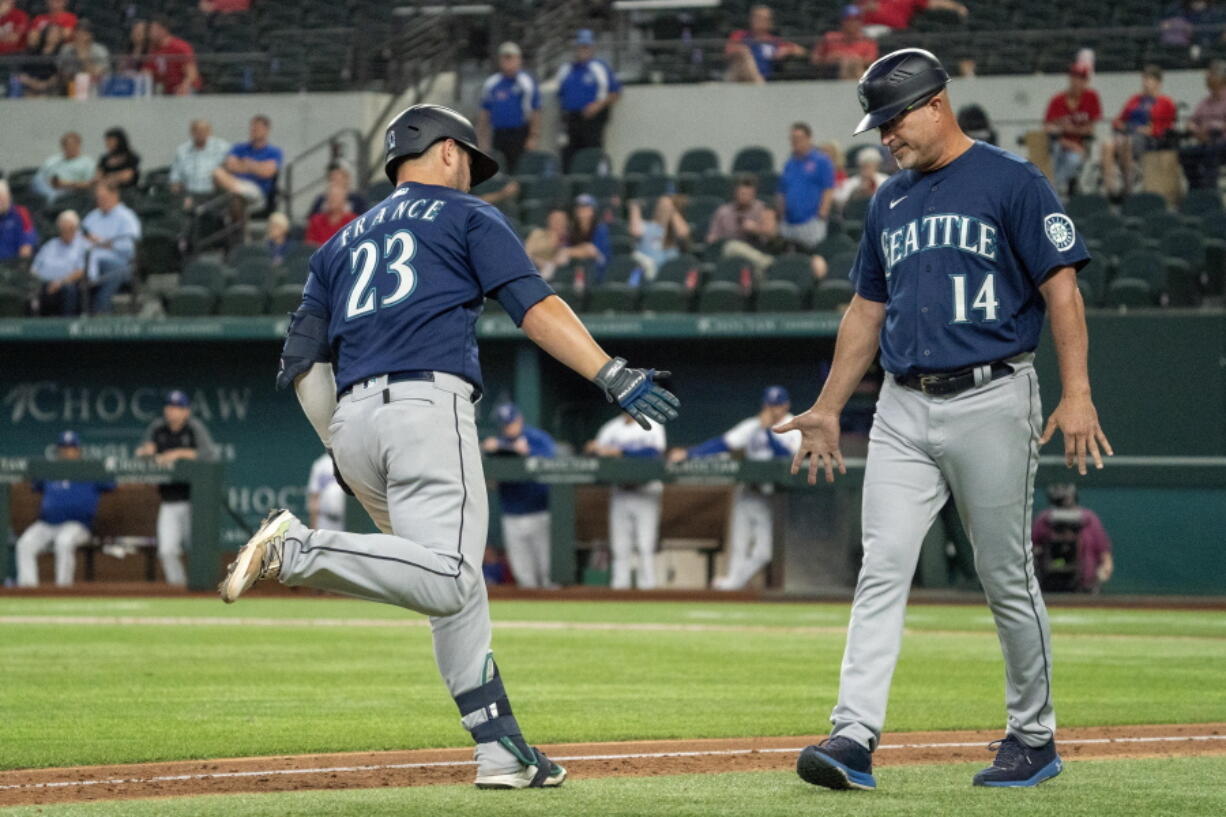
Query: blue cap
(68, 439)
(178, 398)
(776, 396)
(585, 200)
(584, 36)
(851, 10)
(506, 414)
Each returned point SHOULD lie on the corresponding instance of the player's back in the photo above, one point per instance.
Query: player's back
(402, 285)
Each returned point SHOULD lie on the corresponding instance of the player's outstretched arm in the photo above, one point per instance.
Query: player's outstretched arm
(1075, 415)
(551, 325)
(854, 351)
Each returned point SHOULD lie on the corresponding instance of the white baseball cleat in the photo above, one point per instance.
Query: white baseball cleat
(260, 558)
(545, 774)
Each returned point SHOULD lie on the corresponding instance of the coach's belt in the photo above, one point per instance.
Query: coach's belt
(948, 383)
(394, 377)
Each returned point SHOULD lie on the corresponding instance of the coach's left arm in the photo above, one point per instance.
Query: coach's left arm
(1075, 416)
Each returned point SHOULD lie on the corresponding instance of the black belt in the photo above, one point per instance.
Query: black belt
(947, 383)
(394, 377)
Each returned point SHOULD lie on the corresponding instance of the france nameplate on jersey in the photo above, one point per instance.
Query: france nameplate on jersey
(958, 255)
(402, 286)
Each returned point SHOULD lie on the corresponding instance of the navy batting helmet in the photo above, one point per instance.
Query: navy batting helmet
(418, 127)
(896, 82)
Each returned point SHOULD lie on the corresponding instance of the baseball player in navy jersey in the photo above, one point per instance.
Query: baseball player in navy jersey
(751, 527)
(963, 252)
(382, 354)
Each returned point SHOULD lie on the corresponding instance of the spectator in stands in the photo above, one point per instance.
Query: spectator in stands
(510, 118)
(64, 171)
(195, 160)
(1072, 551)
(82, 54)
(112, 230)
(120, 165)
(806, 190)
(60, 266)
(171, 60)
(325, 497)
(835, 154)
(1207, 125)
(1143, 121)
(1069, 122)
(883, 16)
(138, 46)
(587, 90)
(524, 505)
(174, 436)
(39, 76)
(660, 238)
(546, 246)
(1192, 23)
(588, 238)
(277, 238)
(250, 170)
(753, 52)
(336, 214)
(867, 179)
(57, 16)
(17, 234)
(745, 225)
(65, 518)
(340, 173)
(845, 53)
(13, 26)
(634, 511)
(225, 7)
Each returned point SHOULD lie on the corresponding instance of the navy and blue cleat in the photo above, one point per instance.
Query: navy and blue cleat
(837, 763)
(1019, 765)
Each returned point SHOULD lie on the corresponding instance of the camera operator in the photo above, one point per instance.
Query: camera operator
(1072, 551)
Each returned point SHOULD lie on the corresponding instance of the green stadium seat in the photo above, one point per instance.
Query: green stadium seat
(832, 294)
(794, 268)
(839, 265)
(1087, 292)
(664, 296)
(650, 187)
(736, 271)
(19, 180)
(1143, 204)
(622, 244)
(1100, 225)
(256, 272)
(698, 161)
(698, 214)
(722, 296)
(209, 275)
(537, 163)
(590, 162)
(12, 302)
(714, 184)
(1085, 205)
(1122, 242)
(623, 269)
(604, 187)
(779, 296)
(190, 301)
(1157, 224)
(283, 299)
(753, 159)
(835, 243)
(645, 162)
(612, 296)
(242, 299)
(1144, 265)
(1129, 292)
(1198, 202)
(550, 190)
(244, 252)
(158, 252)
(684, 270)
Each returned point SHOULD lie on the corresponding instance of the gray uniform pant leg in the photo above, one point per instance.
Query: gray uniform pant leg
(415, 465)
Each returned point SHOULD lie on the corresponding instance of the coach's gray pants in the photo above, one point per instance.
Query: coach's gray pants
(983, 446)
(415, 466)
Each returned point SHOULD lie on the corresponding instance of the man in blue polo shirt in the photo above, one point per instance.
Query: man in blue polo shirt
(18, 238)
(525, 505)
(64, 520)
(250, 169)
(806, 190)
(510, 106)
(587, 88)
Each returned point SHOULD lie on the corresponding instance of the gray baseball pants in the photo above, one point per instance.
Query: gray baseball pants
(981, 445)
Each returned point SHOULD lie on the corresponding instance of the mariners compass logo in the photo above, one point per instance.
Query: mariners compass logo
(1060, 231)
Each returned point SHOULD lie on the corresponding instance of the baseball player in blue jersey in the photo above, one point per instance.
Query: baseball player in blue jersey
(964, 251)
(382, 354)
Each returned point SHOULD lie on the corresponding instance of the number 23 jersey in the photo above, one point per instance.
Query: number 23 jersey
(957, 256)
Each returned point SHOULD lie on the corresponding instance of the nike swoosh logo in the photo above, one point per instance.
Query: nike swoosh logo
(895, 202)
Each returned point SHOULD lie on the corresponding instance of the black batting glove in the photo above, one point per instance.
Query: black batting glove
(637, 393)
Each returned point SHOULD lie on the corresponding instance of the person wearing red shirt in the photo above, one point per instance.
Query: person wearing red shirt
(753, 52)
(57, 15)
(13, 25)
(883, 16)
(171, 60)
(1070, 119)
(1144, 120)
(845, 53)
(336, 214)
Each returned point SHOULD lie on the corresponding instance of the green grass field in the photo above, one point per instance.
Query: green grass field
(81, 685)
(1187, 788)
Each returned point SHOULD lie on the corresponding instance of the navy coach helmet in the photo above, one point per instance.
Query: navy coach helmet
(897, 81)
(418, 127)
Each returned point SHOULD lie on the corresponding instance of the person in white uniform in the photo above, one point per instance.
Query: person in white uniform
(325, 497)
(634, 510)
(751, 525)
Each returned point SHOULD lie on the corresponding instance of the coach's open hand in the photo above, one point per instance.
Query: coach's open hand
(636, 393)
(819, 441)
(1077, 419)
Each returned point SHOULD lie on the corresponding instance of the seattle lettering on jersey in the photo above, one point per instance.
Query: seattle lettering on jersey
(422, 209)
(964, 233)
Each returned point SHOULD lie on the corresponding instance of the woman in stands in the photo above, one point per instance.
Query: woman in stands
(661, 239)
(589, 236)
(546, 246)
(119, 165)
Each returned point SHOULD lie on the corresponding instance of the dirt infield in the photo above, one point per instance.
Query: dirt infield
(583, 760)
